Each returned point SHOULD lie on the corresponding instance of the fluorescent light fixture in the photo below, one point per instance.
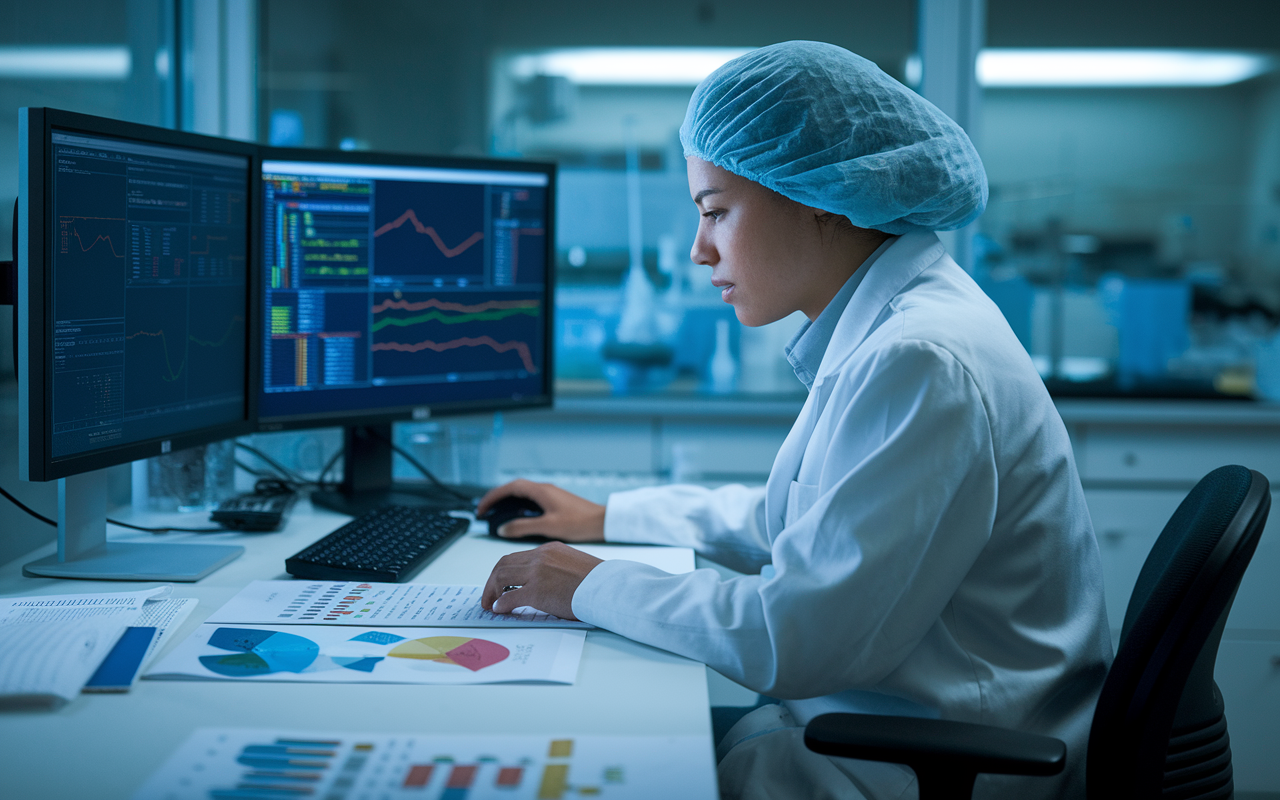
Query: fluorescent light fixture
(111, 63)
(1067, 67)
(628, 66)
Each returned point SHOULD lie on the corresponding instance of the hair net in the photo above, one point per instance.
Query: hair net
(829, 129)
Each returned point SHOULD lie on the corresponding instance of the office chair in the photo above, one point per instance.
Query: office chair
(1158, 729)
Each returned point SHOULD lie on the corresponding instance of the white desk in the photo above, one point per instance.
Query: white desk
(105, 746)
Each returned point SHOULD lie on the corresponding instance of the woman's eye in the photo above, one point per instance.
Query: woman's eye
(714, 213)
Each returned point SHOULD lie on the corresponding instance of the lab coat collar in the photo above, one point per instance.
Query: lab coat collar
(809, 345)
(896, 267)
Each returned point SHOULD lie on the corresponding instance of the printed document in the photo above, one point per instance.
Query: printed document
(433, 765)
(333, 654)
(50, 645)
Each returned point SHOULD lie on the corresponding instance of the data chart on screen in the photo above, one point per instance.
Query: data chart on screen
(149, 292)
(389, 286)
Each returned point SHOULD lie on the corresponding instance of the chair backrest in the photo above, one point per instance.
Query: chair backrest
(1159, 729)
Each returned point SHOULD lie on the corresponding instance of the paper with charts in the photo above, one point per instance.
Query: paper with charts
(382, 604)
(237, 763)
(331, 654)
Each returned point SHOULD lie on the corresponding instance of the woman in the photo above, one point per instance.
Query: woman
(922, 545)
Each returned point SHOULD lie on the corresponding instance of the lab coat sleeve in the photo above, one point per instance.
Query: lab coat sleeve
(904, 505)
(726, 524)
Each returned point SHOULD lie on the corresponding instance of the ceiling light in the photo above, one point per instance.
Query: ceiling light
(999, 67)
(66, 63)
(628, 66)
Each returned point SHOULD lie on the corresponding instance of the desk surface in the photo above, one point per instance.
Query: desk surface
(105, 746)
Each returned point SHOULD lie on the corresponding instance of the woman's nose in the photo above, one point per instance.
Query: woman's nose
(701, 252)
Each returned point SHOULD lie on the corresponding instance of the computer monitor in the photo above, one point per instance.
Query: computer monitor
(396, 288)
(133, 314)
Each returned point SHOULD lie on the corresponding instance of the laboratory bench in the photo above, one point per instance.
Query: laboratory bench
(105, 746)
(1137, 459)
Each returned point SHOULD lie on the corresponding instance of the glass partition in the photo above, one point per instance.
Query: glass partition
(599, 89)
(1131, 238)
(104, 57)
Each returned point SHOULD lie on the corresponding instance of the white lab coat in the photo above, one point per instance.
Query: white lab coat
(930, 547)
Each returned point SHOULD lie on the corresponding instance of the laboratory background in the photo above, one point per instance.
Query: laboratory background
(1132, 238)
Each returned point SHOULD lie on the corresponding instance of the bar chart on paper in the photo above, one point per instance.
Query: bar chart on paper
(222, 764)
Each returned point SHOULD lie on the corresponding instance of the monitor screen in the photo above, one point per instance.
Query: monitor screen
(400, 285)
(148, 295)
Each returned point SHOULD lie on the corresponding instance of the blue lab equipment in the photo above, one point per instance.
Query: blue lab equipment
(1153, 328)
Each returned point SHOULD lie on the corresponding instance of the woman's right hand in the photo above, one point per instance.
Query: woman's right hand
(565, 516)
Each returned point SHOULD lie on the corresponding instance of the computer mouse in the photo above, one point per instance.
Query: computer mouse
(509, 508)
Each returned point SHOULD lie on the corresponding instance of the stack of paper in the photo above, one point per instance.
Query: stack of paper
(52, 645)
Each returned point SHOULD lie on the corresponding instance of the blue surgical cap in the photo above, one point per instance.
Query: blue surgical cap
(829, 129)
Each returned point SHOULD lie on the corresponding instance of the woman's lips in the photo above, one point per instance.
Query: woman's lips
(725, 287)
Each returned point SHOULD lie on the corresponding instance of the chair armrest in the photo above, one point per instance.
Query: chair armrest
(934, 744)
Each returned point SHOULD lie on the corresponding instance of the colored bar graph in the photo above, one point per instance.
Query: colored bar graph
(460, 779)
(419, 776)
(283, 769)
(509, 777)
(555, 781)
(290, 750)
(281, 319)
(280, 762)
(300, 362)
(561, 748)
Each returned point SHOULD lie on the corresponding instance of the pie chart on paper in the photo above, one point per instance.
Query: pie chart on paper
(472, 654)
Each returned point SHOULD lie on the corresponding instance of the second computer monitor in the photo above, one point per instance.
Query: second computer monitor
(399, 286)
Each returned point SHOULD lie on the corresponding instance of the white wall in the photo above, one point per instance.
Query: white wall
(1119, 162)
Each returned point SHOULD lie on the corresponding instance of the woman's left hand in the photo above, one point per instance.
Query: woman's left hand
(546, 578)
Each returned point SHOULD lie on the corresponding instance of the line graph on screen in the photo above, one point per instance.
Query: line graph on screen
(521, 348)
(415, 334)
(69, 228)
(430, 230)
(448, 252)
(169, 374)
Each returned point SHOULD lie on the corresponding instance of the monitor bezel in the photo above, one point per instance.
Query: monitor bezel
(380, 415)
(35, 247)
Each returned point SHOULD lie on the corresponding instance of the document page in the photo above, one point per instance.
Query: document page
(433, 766)
(166, 616)
(50, 645)
(331, 654)
(373, 604)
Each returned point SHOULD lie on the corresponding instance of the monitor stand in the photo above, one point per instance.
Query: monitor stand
(366, 479)
(85, 553)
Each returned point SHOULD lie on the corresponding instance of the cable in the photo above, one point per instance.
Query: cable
(22, 506)
(407, 457)
(257, 473)
(117, 523)
(289, 474)
(328, 466)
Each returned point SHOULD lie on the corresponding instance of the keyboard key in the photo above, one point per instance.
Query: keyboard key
(389, 544)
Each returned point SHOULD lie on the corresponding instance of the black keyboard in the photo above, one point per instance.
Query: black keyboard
(387, 544)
